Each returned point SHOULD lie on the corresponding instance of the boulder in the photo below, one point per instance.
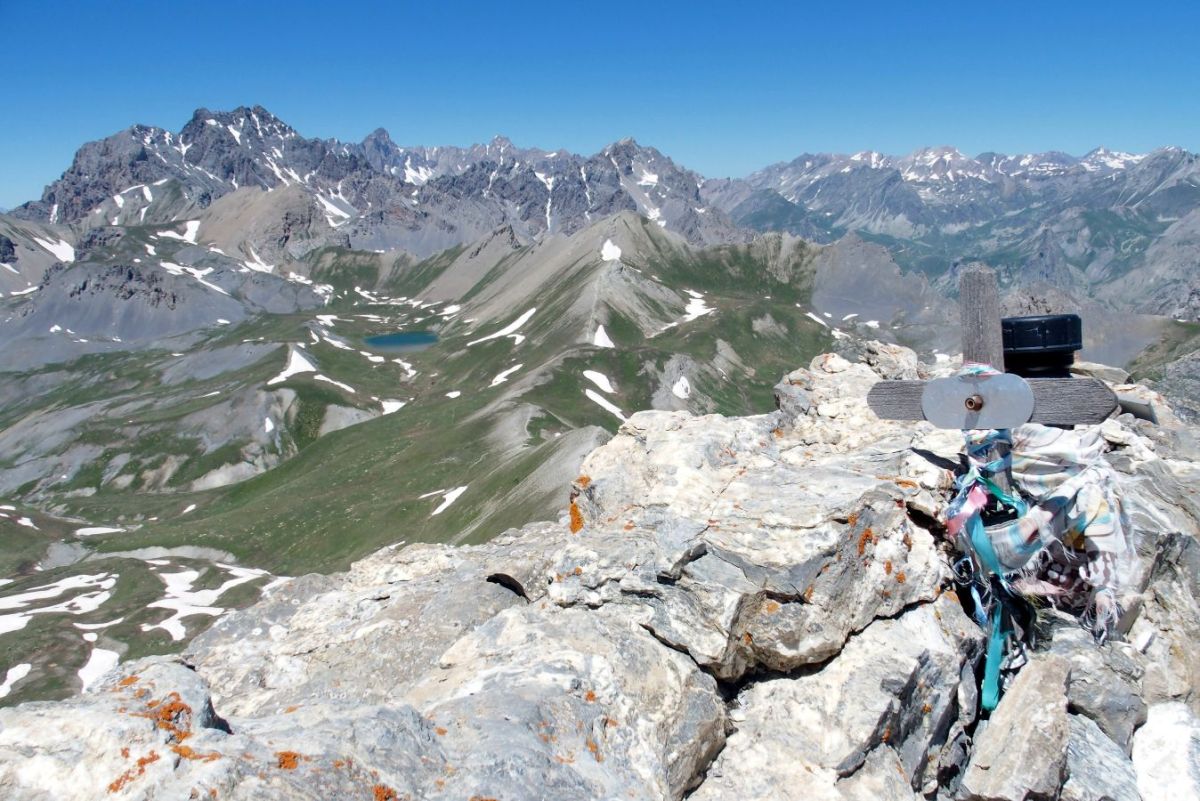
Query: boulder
(882, 708)
(1166, 753)
(1097, 768)
(1021, 754)
(1105, 683)
(368, 637)
(150, 732)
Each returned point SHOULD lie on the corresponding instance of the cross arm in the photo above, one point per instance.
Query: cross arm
(1056, 401)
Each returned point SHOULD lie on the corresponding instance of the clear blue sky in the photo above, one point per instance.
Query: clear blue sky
(720, 89)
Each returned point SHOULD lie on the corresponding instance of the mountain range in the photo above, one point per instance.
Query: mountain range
(190, 373)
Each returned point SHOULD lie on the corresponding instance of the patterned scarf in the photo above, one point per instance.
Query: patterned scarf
(1071, 542)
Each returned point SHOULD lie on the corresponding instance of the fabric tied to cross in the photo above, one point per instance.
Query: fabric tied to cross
(1073, 522)
(1068, 542)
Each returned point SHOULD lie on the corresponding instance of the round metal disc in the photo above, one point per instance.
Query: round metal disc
(1007, 401)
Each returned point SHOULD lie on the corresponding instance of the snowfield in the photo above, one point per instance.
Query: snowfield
(296, 364)
(502, 377)
(604, 403)
(600, 380)
(61, 249)
(448, 498)
(508, 330)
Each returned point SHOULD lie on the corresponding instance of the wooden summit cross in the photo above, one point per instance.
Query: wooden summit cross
(990, 401)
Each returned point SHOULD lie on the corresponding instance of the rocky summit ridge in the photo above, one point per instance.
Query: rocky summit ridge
(730, 607)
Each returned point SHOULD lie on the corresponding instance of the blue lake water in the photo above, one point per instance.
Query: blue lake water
(402, 341)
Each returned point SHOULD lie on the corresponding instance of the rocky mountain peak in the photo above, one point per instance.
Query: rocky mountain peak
(1104, 159)
(728, 607)
(379, 135)
(374, 193)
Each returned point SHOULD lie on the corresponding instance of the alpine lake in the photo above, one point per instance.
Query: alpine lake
(401, 341)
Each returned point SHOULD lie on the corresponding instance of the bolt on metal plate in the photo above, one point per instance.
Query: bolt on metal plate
(978, 401)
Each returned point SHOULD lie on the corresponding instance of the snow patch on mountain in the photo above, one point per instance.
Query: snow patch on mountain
(696, 307)
(61, 249)
(14, 674)
(296, 364)
(503, 376)
(99, 662)
(600, 380)
(508, 330)
(191, 228)
(450, 497)
(339, 384)
(604, 403)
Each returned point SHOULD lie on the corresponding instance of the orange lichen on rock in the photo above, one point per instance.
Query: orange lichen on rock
(441, 731)
(187, 752)
(629, 526)
(590, 697)
(291, 709)
(171, 715)
(867, 536)
(771, 607)
(808, 593)
(887, 567)
(900, 577)
(852, 518)
(576, 518)
(287, 760)
(125, 753)
(384, 793)
(125, 682)
(117, 784)
(595, 749)
(583, 482)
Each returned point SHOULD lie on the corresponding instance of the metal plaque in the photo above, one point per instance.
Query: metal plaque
(977, 401)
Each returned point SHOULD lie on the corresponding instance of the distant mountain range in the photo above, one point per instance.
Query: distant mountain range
(376, 194)
(1110, 225)
(1107, 224)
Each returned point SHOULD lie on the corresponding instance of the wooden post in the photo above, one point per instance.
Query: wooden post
(979, 305)
(983, 338)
